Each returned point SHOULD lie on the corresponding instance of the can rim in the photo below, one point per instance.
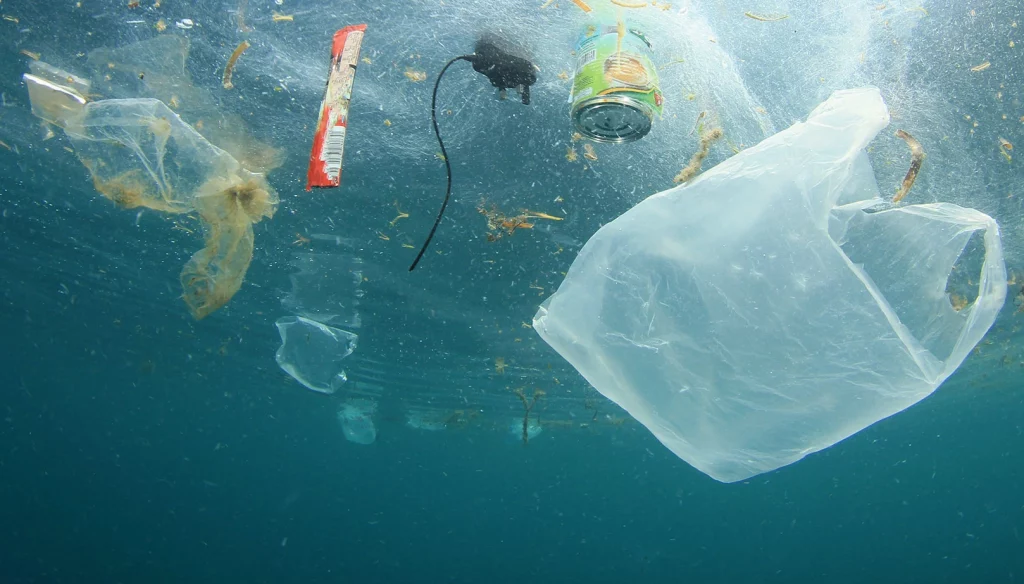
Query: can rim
(634, 104)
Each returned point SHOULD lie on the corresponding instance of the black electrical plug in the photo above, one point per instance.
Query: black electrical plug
(503, 69)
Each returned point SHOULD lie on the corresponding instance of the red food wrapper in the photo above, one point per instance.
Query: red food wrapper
(329, 141)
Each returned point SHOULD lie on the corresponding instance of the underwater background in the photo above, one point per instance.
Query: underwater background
(138, 444)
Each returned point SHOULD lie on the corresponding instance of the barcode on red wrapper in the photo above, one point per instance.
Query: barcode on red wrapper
(325, 159)
(334, 147)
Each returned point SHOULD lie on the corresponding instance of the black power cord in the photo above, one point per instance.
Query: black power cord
(444, 155)
(504, 71)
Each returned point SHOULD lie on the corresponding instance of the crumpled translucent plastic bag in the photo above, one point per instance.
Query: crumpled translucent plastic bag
(776, 305)
(141, 154)
(356, 419)
(164, 59)
(311, 352)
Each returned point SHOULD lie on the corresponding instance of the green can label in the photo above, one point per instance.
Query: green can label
(614, 61)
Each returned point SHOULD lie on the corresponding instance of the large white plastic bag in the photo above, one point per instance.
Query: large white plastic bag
(726, 317)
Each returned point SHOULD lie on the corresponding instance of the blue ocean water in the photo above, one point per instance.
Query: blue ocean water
(140, 445)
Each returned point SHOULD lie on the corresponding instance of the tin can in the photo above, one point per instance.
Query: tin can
(615, 91)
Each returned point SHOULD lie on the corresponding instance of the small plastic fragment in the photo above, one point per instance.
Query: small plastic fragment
(56, 95)
(421, 419)
(764, 18)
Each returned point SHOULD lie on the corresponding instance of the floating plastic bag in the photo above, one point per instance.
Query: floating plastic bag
(433, 421)
(164, 60)
(326, 287)
(356, 419)
(768, 309)
(311, 352)
(141, 154)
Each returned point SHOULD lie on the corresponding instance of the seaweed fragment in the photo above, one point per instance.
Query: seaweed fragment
(692, 168)
(499, 224)
(916, 158)
(229, 69)
(527, 407)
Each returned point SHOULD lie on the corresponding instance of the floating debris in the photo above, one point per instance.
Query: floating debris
(766, 18)
(414, 75)
(401, 215)
(499, 224)
(327, 154)
(982, 67)
(527, 407)
(916, 158)
(582, 5)
(243, 6)
(1004, 148)
(692, 168)
(230, 67)
(697, 125)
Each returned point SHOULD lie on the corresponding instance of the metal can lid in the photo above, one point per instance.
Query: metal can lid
(613, 119)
